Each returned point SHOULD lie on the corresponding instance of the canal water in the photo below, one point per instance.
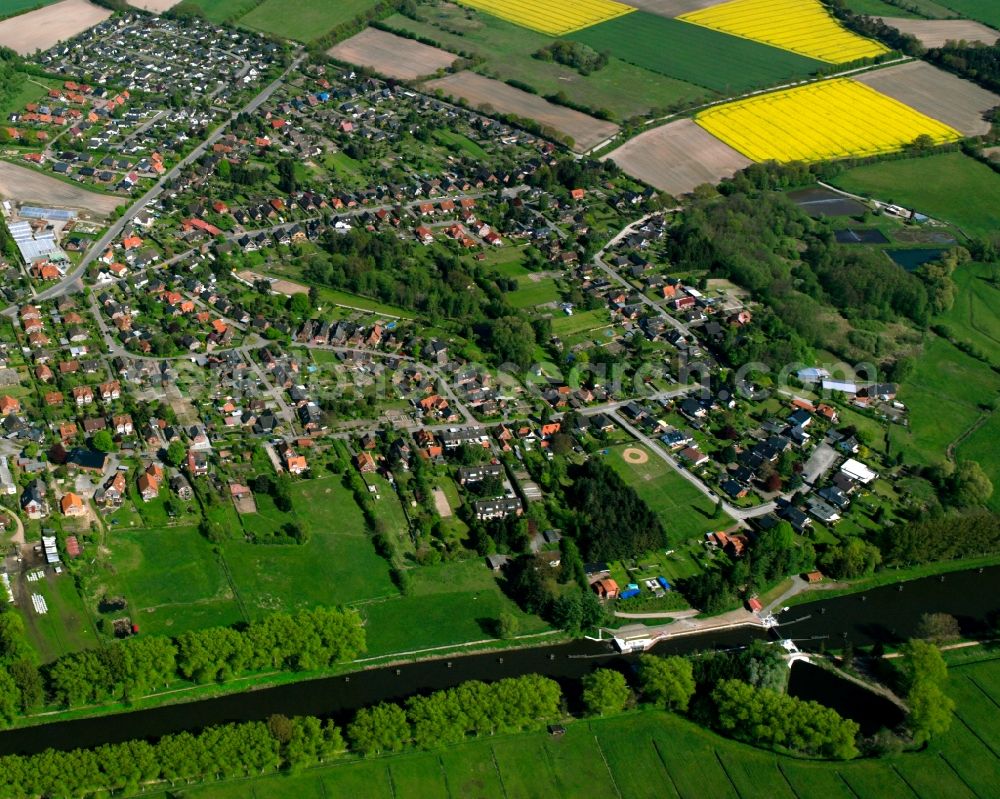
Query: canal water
(888, 614)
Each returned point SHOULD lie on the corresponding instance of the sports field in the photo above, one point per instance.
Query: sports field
(684, 511)
(696, 54)
(304, 20)
(554, 17)
(939, 186)
(802, 26)
(838, 118)
(655, 755)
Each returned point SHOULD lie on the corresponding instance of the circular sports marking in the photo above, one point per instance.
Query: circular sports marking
(633, 455)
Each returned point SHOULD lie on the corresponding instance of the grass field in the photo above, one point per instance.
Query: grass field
(837, 118)
(66, 627)
(802, 26)
(507, 49)
(685, 512)
(533, 292)
(224, 10)
(879, 8)
(450, 603)
(580, 322)
(945, 396)
(552, 17)
(987, 11)
(307, 20)
(172, 580)
(653, 755)
(692, 53)
(939, 186)
(337, 565)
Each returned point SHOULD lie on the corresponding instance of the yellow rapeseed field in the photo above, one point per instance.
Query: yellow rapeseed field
(831, 119)
(802, 26)
(554, 17)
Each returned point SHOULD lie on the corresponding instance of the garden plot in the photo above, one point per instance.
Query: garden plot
(678, 157)
(480, 92)
(391, 55)
(958, 103)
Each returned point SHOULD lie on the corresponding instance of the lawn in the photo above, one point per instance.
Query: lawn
(655, 755)
(939, 186)
(508, 50)
(581, 321)
(451, 603)
(694, 54)
(307, 20)
(337, 565)
(533, 292)
(982, 10)
(685, 512)
(458, 142)
(172, 579)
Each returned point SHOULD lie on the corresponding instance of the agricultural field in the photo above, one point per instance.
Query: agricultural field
(686, 513)
(987, 11)
(936, 32)
(306, 20)
(692, 53)
(224, 10)
(650, 755)
(11, 8)
(23, 184)
(957, 103)
(552, 17)
(447, 604)
(42, 28)
(479, 91)
(879, 8)
(677, 157)
(507, 52)
(939, 186)
(671, 8)
(392, 56)
(838, 118)
(156, 6)
(802, 26)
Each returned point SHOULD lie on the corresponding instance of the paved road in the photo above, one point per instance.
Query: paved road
(71, 282)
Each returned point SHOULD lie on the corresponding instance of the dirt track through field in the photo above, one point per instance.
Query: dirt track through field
(935, 32)
(678, 157)
(479, 91)
(42, 28)
(391, 55)
(671, 8)
(23, 184)
(936, 93)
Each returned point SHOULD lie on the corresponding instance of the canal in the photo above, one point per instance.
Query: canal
(889, 614)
